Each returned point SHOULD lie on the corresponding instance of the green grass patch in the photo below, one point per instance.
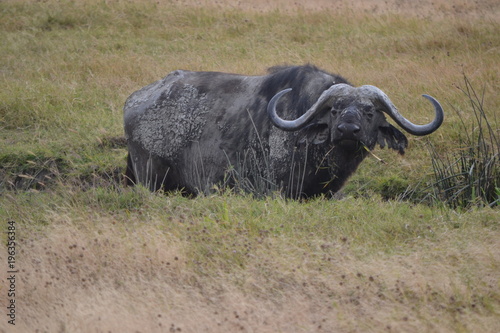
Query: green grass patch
(470, 175)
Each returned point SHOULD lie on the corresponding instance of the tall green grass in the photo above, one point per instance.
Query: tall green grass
(470, 174)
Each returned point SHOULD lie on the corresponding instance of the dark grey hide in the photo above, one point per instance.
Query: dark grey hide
(193, 130)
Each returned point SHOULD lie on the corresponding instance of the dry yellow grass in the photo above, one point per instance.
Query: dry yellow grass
(487, 9)
(133, 271)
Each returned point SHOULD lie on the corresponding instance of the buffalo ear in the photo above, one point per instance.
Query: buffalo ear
(314, 133)
(392, 137)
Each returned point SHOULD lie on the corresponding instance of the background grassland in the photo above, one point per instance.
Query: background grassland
(99, 257)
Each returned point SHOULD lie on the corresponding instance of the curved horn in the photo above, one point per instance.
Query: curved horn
(292, 125)
(405, 124)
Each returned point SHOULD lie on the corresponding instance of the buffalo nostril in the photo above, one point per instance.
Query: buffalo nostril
(349, 129)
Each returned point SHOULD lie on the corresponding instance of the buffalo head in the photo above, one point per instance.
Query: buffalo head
(351, 117)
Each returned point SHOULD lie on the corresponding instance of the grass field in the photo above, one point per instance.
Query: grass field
(94, 256)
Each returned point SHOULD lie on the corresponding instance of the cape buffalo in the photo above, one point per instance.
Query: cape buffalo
(195, 131)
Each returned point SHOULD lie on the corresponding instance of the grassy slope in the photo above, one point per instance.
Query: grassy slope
(270, 265)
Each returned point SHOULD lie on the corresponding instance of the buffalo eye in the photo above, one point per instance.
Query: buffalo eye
(368, 113)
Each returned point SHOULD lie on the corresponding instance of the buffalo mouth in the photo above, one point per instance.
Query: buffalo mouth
(348, 144)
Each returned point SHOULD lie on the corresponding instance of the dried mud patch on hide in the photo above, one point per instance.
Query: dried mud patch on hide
(180, 105)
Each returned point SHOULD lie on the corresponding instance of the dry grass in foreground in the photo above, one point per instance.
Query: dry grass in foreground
(228, 263)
